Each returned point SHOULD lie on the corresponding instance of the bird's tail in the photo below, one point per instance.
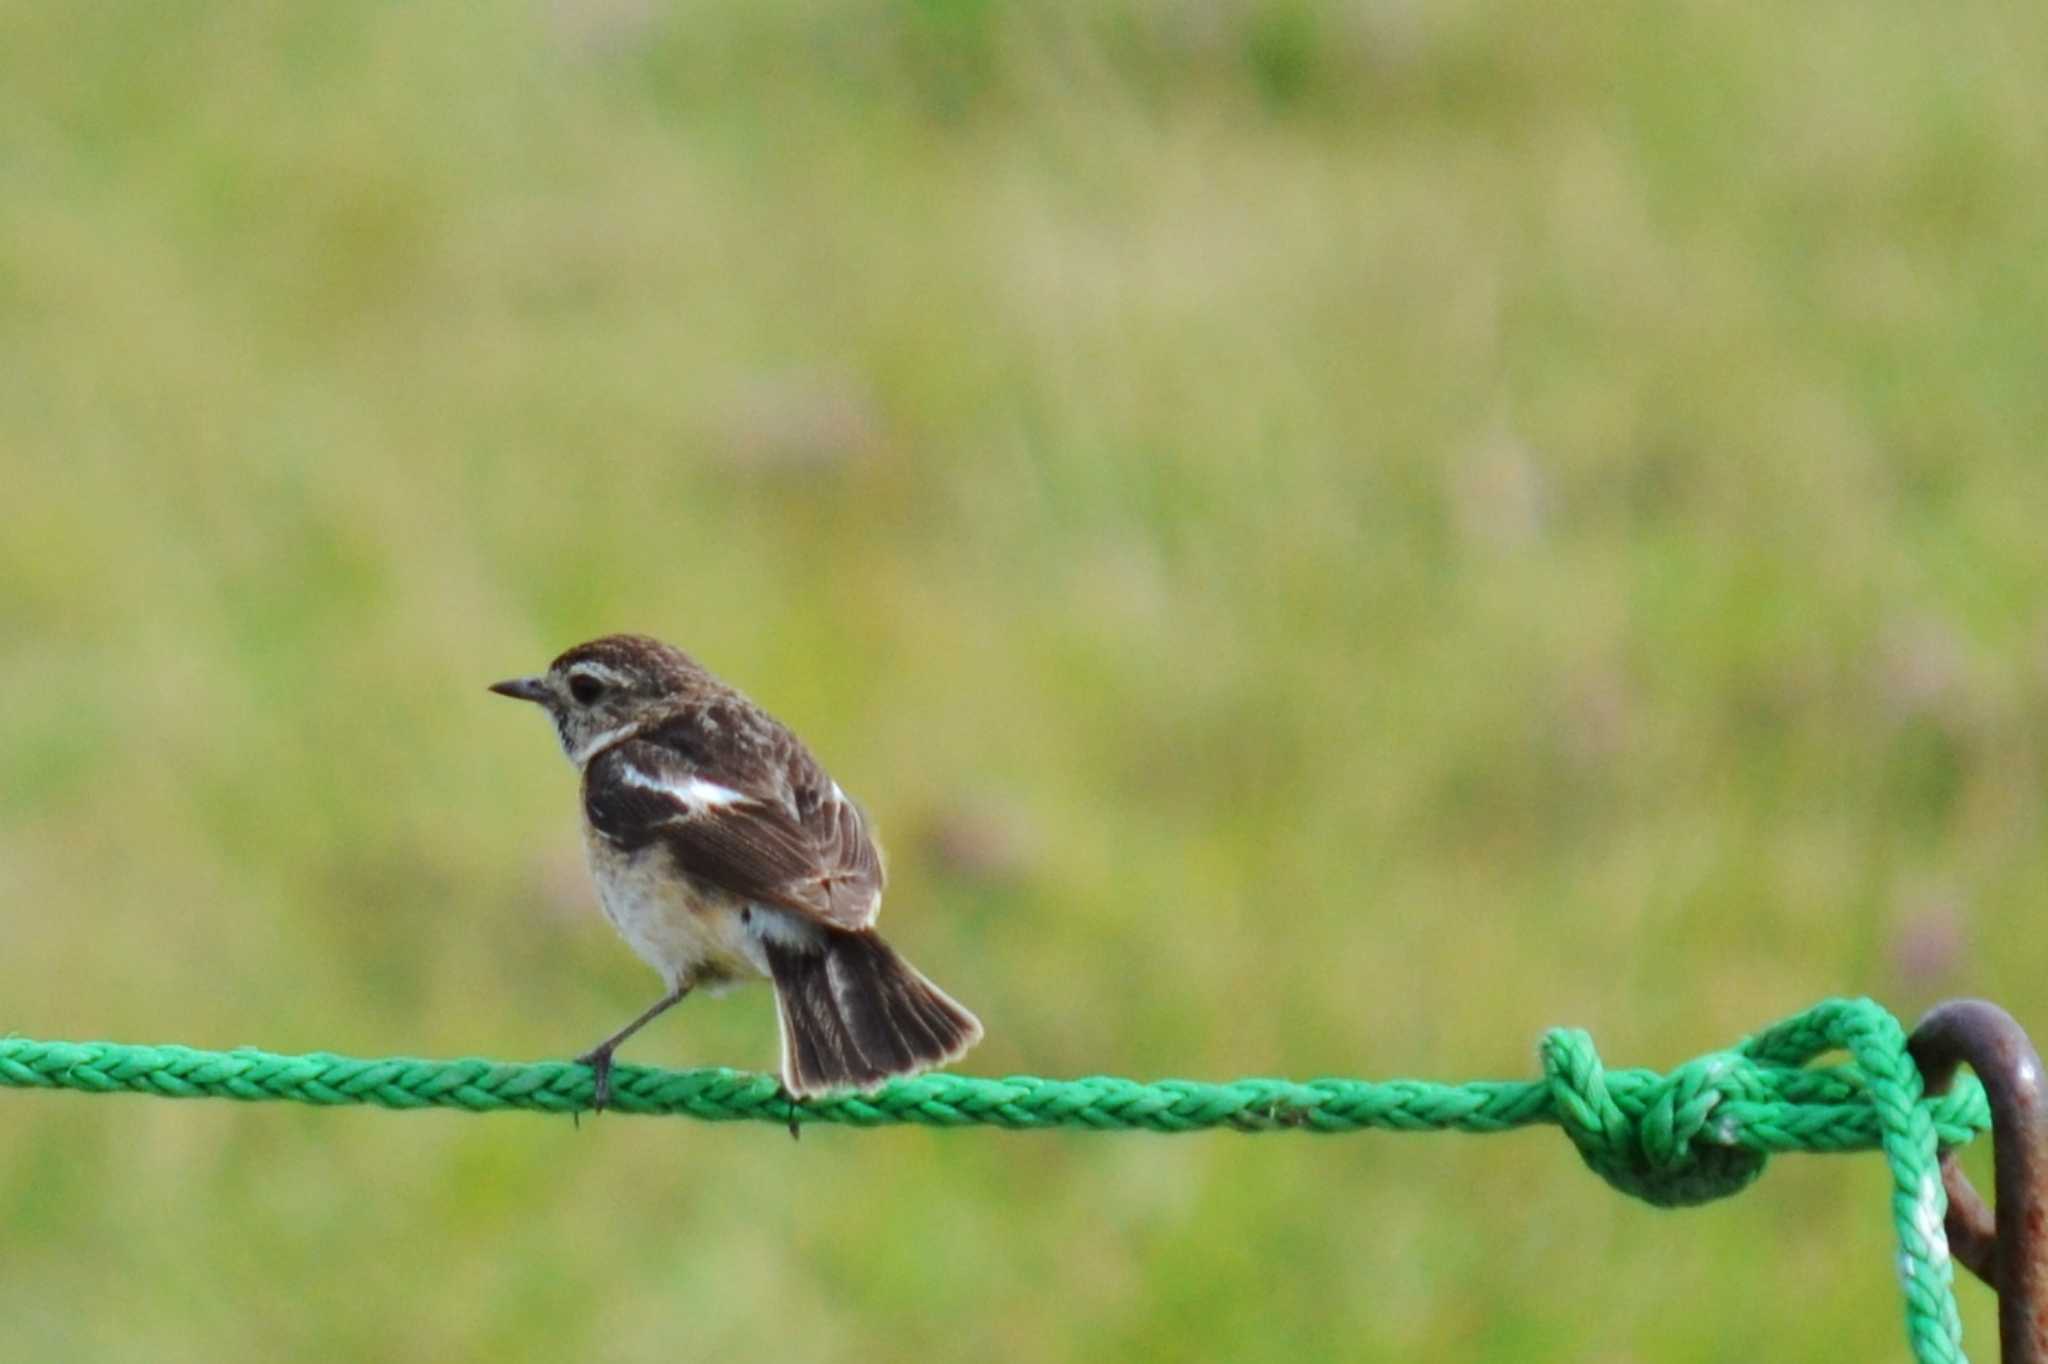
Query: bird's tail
(854, 1013)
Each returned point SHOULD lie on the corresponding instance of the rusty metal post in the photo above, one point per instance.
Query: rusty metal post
(2006, 1246)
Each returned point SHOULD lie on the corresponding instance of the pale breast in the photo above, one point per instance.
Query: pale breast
(692, 933)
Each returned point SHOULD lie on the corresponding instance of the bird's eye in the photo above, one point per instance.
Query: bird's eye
(585, 688)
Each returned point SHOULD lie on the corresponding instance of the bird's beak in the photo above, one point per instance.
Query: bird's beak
(522, 689)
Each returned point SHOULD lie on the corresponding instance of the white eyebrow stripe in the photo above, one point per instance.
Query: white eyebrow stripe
(693, 793)
(599, 671)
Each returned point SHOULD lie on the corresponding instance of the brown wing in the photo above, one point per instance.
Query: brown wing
(740, 803)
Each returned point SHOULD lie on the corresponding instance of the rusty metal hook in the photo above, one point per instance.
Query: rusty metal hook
(2006, 1248)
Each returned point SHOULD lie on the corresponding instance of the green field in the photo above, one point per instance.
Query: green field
(1331, 540)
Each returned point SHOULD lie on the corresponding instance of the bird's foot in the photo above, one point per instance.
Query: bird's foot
(795, 1131)
(600, 1062)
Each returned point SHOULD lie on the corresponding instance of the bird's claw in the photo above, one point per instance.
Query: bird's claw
(795, 1130)
(600, 1063)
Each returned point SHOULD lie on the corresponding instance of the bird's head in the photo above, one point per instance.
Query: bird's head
(600, 692)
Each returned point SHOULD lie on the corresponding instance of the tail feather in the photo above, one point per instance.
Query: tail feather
(855, 1013)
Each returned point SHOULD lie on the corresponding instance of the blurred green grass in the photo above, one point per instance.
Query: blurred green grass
(1331, 540)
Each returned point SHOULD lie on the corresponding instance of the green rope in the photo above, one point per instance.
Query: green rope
(1701, 1132)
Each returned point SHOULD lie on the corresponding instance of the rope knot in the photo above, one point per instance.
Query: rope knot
(1654, 1137)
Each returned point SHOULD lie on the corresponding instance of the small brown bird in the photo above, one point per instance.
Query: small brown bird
(723, 853)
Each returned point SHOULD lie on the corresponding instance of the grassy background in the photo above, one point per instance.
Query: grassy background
(1331, 538)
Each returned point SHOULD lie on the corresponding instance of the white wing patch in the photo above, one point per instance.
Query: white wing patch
(693, 793)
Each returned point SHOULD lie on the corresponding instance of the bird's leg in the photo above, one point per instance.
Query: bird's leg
(599, 1057)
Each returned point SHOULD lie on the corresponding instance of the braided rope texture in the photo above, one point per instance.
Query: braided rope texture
(1701, 1132)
